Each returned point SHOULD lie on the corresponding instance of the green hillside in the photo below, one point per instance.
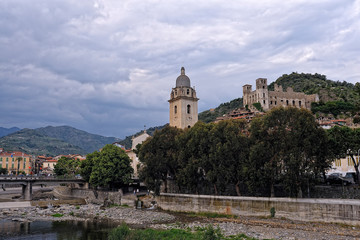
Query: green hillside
(87, 141)
(335, 97)
(328, 90)
(210, 115)
(32, 142)
(127, 142)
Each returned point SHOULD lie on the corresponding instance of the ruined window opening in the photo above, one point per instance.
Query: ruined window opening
(188, 126)
(188, 109)
(175, 109)
(299, 103)
(275, 102)
(293, 102)
(264, 101)
(187, 91)
(287, 102)
(270, 102)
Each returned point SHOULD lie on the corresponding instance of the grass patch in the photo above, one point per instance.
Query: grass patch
(208, 233)
(57, 215)
(77, 207)
(71, 213)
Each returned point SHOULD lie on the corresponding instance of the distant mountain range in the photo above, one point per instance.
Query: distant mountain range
(52, 141)
(7, 131)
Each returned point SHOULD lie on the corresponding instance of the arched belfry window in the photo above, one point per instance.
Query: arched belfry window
(187, 91)
(175, 109)
(188, 109)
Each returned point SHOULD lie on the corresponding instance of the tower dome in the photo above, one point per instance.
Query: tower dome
(183, 80)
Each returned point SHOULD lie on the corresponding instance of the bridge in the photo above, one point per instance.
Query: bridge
(28, 181)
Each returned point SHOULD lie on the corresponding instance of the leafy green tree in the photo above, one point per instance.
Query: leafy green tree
(67, 167)
(227, 154)
(194, 148)
(88, 164)
(345, 141)
(287, 142)
(158, 157)
(3, 170)
(108, 168)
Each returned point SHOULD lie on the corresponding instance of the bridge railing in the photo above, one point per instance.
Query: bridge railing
(32, 177)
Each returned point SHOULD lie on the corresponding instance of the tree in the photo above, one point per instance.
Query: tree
(227, 154)
(67, 167)
(108, 168)
(158, 157)
(194, 147)
(292, 148)
(3, 170)
(346, 141)
(87, 165)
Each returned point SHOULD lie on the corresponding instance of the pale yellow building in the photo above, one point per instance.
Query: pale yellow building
(132, 155)
(343, 165)
(183, 103)
(15, 162)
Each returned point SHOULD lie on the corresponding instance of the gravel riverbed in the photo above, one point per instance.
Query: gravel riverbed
(260, 228)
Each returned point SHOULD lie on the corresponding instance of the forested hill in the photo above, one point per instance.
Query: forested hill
(87, 141)
(328, 90)
(210, 115)
(335, 97)
(32, 142)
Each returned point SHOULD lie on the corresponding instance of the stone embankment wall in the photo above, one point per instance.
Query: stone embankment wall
(319, 210)
(90, 196)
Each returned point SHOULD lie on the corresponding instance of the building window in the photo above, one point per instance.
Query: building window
(293, 102)
(287, 102)
(188, 126)
(338, 162)
(187, 91)
(188, 109)
(264, 101)
(175, 109)
(270, 102)
(263, 94)
(275, 102)
(299, 103)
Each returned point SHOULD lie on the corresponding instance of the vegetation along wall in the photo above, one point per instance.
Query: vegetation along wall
(318, 210)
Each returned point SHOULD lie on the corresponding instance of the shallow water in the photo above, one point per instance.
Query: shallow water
(48, 230)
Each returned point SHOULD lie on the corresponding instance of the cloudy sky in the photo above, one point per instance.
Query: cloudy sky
(108, 66)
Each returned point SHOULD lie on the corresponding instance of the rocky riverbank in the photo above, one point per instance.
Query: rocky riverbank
(260, 228)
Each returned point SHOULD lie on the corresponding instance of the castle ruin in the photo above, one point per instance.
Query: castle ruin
(270, 99)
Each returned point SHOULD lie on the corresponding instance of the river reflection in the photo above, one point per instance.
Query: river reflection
(61, 230)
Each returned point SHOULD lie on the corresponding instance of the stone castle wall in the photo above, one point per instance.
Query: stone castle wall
(270, 99)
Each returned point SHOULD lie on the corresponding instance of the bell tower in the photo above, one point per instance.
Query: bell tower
(183, 103)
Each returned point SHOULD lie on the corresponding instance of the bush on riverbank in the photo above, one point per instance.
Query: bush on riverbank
(208, 233)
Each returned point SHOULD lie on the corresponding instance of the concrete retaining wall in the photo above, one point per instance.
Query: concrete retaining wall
(91, 196)
(321, 210)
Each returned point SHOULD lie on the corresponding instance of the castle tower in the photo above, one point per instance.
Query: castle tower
(183, 103)
(262, 93)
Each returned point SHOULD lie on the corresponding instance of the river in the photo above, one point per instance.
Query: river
(65, 230)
